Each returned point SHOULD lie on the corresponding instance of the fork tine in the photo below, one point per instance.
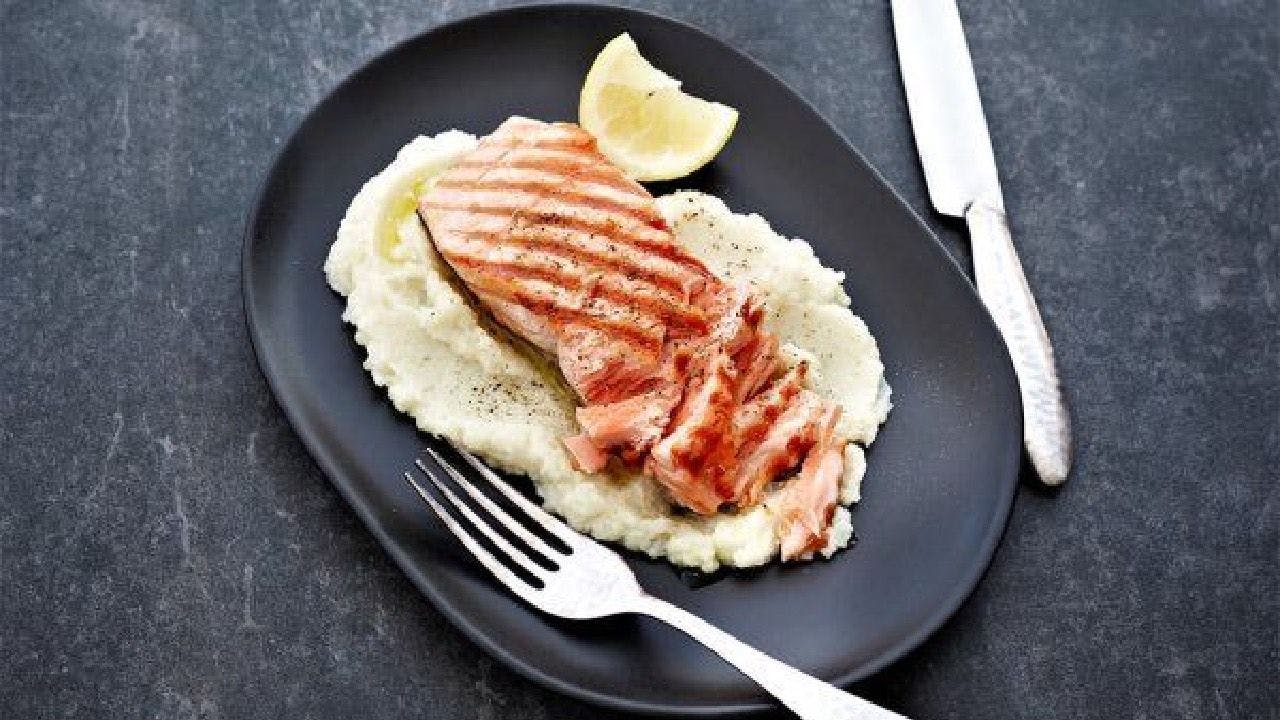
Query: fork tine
(503, 517)
(516, 555)
(500, 571)
(542, 517)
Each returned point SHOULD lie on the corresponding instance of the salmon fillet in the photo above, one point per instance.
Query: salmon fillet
(673, 367)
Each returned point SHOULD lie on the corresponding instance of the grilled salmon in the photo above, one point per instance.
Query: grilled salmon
(674, 369)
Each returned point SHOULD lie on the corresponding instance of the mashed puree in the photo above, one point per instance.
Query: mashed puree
(448, 367)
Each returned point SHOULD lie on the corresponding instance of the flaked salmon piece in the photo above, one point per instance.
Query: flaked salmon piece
(632, 425)
(701, 446)
(673, 366)
(757, 364)
(805, 504)
(781, 447)
(586, 454)
(698, 423)
(709, 363)
(739, 315)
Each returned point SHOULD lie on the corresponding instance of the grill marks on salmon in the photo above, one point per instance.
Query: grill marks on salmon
(674, 368)
(535, 182)
(584, 250)
(519, 266)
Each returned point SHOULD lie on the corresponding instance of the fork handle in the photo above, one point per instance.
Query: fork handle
(806, 696)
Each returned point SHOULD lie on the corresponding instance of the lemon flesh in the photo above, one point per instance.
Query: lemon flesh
(643, 122)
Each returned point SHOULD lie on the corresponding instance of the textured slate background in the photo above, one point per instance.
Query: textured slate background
(168, 550)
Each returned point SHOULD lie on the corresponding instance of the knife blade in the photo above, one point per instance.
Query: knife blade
(960, 171)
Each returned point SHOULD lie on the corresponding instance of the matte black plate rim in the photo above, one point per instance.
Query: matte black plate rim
(986, 552)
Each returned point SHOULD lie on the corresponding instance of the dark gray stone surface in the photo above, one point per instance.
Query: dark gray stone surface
(168, 549)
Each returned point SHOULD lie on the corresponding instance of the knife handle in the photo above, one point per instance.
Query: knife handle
(1003, 288)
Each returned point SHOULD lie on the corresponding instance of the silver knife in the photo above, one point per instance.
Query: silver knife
(960, 170)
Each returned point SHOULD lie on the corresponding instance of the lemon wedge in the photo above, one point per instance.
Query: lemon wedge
(643, 122)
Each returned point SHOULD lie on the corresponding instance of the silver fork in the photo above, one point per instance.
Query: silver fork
(591, 581)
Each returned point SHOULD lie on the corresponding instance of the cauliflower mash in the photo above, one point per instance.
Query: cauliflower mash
(459, 376)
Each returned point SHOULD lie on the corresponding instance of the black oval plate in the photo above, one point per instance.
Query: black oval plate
(941, 476)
